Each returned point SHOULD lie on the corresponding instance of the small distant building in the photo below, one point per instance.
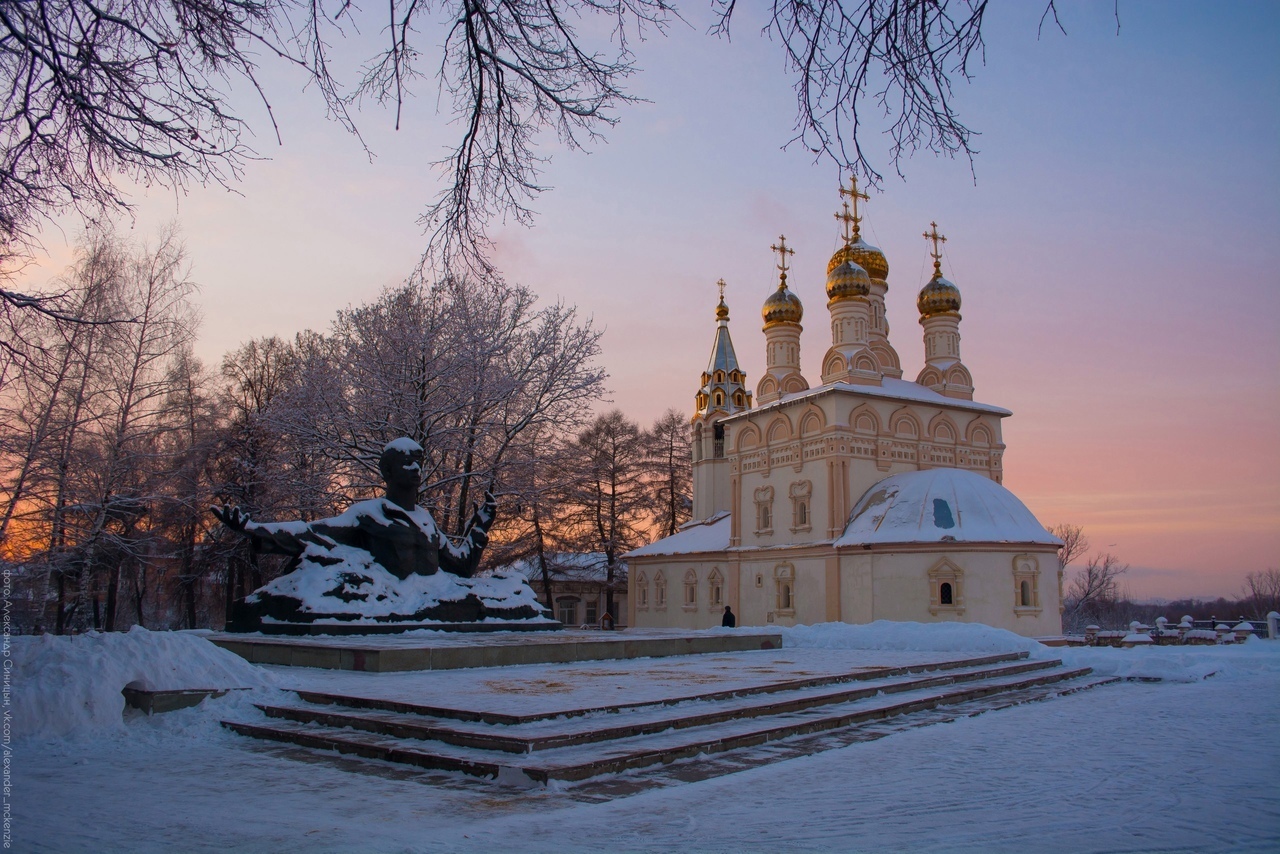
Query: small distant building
(579, 583)
(865, 497)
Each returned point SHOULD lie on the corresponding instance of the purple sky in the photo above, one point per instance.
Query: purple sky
(1117, 254)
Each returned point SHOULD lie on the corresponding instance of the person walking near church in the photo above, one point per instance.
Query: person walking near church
(729, 621)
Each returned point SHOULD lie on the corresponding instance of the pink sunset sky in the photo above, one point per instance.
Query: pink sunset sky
(1117, 252)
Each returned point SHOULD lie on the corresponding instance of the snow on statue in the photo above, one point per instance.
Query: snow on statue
(383, 561)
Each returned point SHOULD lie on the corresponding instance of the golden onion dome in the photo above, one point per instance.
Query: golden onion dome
(938, 297)
(782, 306)
(866, 256)
(722, 310)
(846, 281)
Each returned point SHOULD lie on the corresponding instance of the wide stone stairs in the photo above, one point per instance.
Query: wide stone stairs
(580, 743)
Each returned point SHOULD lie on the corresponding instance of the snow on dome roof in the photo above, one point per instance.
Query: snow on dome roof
(404, 444)
(942, 505)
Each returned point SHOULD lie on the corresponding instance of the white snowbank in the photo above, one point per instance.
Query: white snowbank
(1166, 662)
(67, 685)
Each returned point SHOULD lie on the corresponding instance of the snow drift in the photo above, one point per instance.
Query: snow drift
(68, 685)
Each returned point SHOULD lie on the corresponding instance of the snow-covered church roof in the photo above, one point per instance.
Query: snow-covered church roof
(710, 535)
(942, 505)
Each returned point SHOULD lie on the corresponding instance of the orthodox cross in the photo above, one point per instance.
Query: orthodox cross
(847, 218)
(720, 285)
(853, 194)
(933, 235)
(783, 251)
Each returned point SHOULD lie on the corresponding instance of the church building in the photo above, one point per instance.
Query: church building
(864, 497)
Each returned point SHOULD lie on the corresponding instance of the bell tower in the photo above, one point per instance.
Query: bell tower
(723, 392)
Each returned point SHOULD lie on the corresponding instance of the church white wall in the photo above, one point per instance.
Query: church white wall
(985, 588)
(704, 613)
(855, 587)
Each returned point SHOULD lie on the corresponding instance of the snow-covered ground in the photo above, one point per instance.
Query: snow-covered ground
(1185, 764)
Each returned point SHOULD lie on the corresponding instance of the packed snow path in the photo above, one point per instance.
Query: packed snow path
(1186, 764)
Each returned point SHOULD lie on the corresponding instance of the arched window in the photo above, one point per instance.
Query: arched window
(946, 589)
(715, 590)
(642, 591)
(764, 510)
(659, 590)
(690, 590)
(719, 398)
(1026, 578)
(784, 575)
(801, 492)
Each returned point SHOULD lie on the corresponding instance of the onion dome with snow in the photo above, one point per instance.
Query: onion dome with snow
(862, 253)
(942, 505)
(938, 297)
(846, 281)
(782, 306)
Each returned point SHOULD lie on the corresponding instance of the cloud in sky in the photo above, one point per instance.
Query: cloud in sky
(1117, 254)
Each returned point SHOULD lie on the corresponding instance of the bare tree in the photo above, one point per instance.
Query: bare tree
(1262, 592)
(139, 88)
(608, 503)
(531, 512)
(1094, 590)
(464, 368)
(1074, 542)
(669, 458)
(80, 481)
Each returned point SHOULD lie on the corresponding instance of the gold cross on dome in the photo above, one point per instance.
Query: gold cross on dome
(783, 251)
(937, 238)
(848, 219)
(853, 194)
(720, 285)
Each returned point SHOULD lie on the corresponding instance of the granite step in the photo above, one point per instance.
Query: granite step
(584, 760)
(509, 719)
(544, 734)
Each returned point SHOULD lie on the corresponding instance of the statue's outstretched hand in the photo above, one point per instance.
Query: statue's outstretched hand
(233, 517)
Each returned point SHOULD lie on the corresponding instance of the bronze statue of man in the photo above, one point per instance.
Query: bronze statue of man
(402, 537)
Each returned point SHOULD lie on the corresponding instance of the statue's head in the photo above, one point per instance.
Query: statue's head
(401, 463)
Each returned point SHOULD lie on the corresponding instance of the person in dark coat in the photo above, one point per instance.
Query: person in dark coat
(729, 621)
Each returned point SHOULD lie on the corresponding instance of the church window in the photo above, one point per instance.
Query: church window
(1026, 584)
(567, 610)
(593, 612)
(946, 589)
(659, 591)
(718, 450)
(690, 590)
(801, 493)
(642, 592)
(784, 575)
(719, 398)
(719, 376)
(764, 510)
(715, 590)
